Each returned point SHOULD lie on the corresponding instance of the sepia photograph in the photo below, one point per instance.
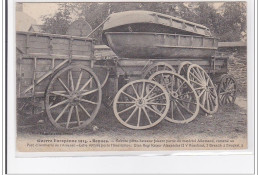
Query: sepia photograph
(131, 76)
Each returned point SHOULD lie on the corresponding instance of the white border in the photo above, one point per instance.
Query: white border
(198, 161)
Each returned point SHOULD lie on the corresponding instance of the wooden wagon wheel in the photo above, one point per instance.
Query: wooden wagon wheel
(184, 102)
(204, 88)
(227, 90)
(73, 97)
(183, 68)
(157, 67)
(133, 104)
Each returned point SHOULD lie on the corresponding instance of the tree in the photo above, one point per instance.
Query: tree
(227, 22)
(59, 23)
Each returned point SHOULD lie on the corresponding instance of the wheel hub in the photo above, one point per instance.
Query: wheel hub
(174, 95)
(140, 102)
(74, 98)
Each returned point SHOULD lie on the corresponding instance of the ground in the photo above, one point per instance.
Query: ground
(229, 122)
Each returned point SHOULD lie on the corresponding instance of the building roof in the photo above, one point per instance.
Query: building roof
(36, 28)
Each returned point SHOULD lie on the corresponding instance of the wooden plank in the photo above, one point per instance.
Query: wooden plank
(38, 50)
(64, 41)
(60, 46)
(38, 45)
(83, 53)
(34, 38)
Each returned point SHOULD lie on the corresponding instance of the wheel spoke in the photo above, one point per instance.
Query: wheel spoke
(142, 95)
(171, 109)
(211, 102)
(196, 83)
(201, 93)
(139, 117)
(63, 85)
(184, 107)
(128, 95)
(87, 83)
(125, 102)
(71, 80)
(155, 96)
(207, 98)
(88, 101)
(180, 86)
(178, 109)
(137, 96)
(204, 98)
(150, 91)
(146, 114)
(207, 81)
(82, 107)
(159, 104)
(62, 112)
(79, 80)
(89, 92)
(212, 99)
(153, 110)
(59, 94)
(126, 109)
(194, 76)
(58, 104)
(77, 114)
(197, 70)
(69, 116)
(198, 74)
(130, 116)
(199, 88)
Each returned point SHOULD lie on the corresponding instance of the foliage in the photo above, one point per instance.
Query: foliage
(59, 23)
(227, 22)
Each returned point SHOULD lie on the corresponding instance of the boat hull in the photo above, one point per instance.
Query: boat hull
(159, 45)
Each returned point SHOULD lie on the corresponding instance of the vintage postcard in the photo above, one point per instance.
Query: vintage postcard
(131, 76)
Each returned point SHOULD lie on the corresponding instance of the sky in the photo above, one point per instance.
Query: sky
(36, 10)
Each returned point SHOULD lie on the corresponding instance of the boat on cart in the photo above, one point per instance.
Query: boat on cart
(160, 45)
(148, 21)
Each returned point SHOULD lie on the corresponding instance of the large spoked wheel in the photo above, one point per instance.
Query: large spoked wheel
(157, 67)
(184, 102)
(183, 68)
(73, 98)
(141, 104)
(227, 90)
(204, 88)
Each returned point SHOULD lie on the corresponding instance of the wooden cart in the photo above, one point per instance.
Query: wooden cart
(63, 72)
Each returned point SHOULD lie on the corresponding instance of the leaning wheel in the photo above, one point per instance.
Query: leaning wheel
(184, 102)
(141, 104)
(157, 67)
(183, 68)
(227, 90)
(204, 88)
(73, 97)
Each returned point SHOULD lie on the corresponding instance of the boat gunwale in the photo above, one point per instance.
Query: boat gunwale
(152, 33)
(152, 13)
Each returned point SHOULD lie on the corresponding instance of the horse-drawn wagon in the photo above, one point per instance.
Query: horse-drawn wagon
(153, 75)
